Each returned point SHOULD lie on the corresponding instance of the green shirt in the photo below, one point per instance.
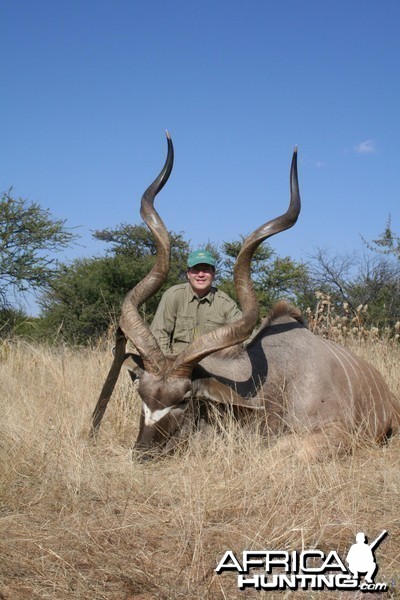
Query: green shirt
(182, 316)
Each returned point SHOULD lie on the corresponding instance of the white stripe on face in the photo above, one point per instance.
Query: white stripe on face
(151, 417)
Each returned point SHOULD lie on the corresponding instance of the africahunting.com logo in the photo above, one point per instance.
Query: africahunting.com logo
(307, 570)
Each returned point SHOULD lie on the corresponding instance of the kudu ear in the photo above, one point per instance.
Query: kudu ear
(134, 364)
(213, 390)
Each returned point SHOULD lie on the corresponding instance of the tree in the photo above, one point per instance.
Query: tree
(86, 296)
(387, 243)
(372, 281)
(380, 283)
(12, 321)
(377, 285)
(334, 275)
(28, 236)
(274, 277)
(137, 243)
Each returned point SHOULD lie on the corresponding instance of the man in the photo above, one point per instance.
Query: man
(190, 309)
(360, 557)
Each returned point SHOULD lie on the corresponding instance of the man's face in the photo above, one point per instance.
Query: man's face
(201, 278)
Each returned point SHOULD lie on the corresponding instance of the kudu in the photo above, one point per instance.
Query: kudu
(296, 380)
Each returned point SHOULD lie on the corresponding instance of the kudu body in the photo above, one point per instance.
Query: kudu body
(294, 379)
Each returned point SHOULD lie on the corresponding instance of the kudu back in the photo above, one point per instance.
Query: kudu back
(296, 381)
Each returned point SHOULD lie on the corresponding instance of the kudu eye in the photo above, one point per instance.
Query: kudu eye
(185, 401)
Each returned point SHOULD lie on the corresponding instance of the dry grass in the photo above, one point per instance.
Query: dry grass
(86, 521)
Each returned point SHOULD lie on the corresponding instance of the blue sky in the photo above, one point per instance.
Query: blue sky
(89, 87)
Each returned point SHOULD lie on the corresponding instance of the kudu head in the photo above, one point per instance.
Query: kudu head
(166, 382)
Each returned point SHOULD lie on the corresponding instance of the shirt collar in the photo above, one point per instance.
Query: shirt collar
(208, 297)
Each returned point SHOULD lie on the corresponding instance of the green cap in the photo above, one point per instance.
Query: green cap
(201, 257)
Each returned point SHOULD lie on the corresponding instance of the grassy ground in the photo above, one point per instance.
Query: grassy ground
(83, 520)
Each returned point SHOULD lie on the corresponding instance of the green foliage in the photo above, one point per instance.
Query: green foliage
(137, 244)
(372, 281)
(12, 321)
(134, 241)
(387, 243)
(83, 298)
(86, 296)
(379, 289)
(378, 284)
(28, 233)
(274, 277)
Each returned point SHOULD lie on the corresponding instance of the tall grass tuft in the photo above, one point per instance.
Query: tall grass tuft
(82, 520)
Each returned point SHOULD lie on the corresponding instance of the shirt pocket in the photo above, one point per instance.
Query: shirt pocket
(211, 324)
(184, 328)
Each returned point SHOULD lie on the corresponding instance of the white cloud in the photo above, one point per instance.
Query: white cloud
(365, 147)
(318, 164)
